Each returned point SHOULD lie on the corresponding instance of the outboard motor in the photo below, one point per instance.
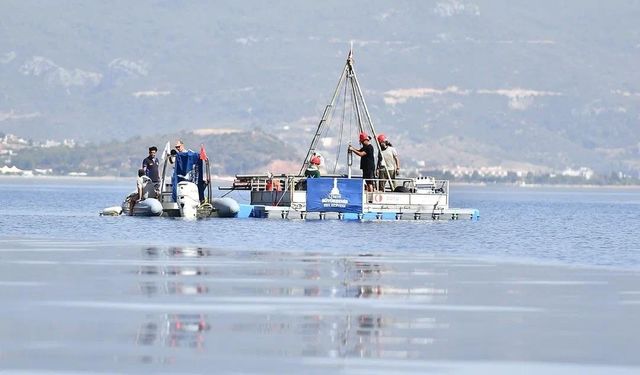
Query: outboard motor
(188, 199)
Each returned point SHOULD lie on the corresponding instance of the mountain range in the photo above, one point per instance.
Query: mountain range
(524, 85)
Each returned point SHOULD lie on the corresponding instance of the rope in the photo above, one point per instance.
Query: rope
(286, 187)
(344, 110)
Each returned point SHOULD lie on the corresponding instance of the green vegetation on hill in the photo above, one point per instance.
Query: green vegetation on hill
(471, 83)
(230, 154)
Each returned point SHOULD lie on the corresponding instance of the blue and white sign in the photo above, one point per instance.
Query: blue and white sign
(334, 195)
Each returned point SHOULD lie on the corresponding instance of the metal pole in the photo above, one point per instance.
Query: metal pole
(164, 171)
(208, 180)
(349, 161)
(325, 119)
(356, 104)
(373, 131)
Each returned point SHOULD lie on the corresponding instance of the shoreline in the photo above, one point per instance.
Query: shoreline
(539, 186)
(66, 178)
(231, 178)
(89, 178)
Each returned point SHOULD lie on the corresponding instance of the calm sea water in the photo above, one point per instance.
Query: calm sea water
(548, 281)
(559, 225)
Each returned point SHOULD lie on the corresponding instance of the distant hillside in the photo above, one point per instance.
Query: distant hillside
(229, 154)
(544, 84)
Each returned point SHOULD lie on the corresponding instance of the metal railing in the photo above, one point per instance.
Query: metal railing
(298, 183)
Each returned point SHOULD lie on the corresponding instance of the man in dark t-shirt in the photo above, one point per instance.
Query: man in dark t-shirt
(150, 164)
(367, 161)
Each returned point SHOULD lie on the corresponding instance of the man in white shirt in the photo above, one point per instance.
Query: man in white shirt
(391, 166)
(144, 189)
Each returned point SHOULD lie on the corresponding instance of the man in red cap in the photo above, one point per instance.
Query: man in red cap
(367, 161)
(391, 166)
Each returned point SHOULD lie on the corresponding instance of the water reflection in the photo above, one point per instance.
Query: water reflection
(388, 336)
(174, 330)
(172, 271)
(362, 277)
(183, 274)
(149, 289)
(176, 252)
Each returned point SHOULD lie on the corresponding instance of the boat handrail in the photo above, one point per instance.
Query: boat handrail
(289, 182)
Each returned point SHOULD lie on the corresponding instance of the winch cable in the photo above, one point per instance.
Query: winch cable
(360, 98)
(324, 132)
(286, 188)
(326, 117)
(356, 104)
(352, 117)
(344, 110)
(327, 127)
(227, 193)
(238, 197)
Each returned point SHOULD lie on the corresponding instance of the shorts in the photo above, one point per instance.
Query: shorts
(368, 175)
(383, 175)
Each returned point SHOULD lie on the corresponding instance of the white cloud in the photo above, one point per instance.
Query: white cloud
(393, 97)
(132, 68)
(11, 115)
(7, 57)
(454, 8)
(40, 66)
(519, 99)
(150, 94)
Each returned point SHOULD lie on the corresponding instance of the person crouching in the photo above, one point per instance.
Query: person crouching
(138, 195)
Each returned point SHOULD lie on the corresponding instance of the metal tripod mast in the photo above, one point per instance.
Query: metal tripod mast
(363, 118)
(326, 117)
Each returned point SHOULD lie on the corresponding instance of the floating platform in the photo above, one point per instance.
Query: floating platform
(340, 198)
(286, 213)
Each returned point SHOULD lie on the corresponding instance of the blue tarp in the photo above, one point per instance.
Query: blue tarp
(189, 167)
(326, 194)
